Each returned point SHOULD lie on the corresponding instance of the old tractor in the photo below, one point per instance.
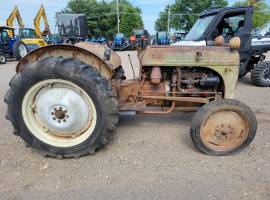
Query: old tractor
(64, 100)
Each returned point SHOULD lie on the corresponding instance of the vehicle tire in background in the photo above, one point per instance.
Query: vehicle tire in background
(223, 127)
(19, 50)
(3, 58)
(68, 41)
(260, 75)
(242, 72)
(62, 107)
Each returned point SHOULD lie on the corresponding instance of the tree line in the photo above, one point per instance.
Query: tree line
(101, 16)
(184, 13)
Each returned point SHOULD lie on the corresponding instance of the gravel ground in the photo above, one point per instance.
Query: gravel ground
(147, 158)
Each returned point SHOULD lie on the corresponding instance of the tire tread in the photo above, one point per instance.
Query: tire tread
(256, 73)
(66, 68)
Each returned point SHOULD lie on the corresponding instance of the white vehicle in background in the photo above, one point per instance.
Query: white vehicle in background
(232, 22)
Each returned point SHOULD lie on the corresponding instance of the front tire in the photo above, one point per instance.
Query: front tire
(19, 50)
(61, 107)
(223, 127)
(3, 59)
(260, 75)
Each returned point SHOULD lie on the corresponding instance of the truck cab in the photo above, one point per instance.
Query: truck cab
(27, 33)
(228, 22)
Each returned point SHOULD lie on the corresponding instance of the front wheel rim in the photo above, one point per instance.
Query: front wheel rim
(266, 75)
(22, 50)
(224, 131)
(2, 59)
(59, 113)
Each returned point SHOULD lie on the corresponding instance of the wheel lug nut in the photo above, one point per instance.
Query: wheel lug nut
(55, 109)
(54, 118)
(67, 116)
(59, 121)
(64, 120)
(52, 113)
(60, 108)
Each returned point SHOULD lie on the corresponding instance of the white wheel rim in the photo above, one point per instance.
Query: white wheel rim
(2, 59)
(59, 113)
(266, 75)
(22, 50)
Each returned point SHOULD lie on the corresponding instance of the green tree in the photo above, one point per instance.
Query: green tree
(101, 16)
(162, 22)
(130, 17)
(184, 13)
(261, 15)
(131, 20)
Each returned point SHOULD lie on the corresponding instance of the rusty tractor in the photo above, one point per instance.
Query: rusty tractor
(64, 100)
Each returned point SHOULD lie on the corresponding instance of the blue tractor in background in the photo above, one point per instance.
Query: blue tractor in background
(100, 40)
(120, 42)
(6, 44)
(162, 38)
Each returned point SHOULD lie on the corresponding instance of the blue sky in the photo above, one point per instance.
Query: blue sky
(29, 8)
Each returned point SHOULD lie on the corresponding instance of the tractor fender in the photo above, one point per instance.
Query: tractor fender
(91, 54)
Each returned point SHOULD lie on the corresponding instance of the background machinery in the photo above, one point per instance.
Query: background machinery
(7, 41)
(227, 23)
(4, 49)
(71, 27)
(162, 38)
(26, 40)
(179, 35)
(46, 33)
(141, 37)
(119, 42)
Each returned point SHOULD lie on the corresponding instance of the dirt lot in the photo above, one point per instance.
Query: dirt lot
(147, 158)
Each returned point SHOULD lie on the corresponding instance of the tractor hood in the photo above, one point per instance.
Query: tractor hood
(190, 43)
(189, 56)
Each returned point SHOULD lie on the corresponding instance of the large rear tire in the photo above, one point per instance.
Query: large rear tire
(19, 50)
(260, 75)
(62, 107)
(223, 127)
